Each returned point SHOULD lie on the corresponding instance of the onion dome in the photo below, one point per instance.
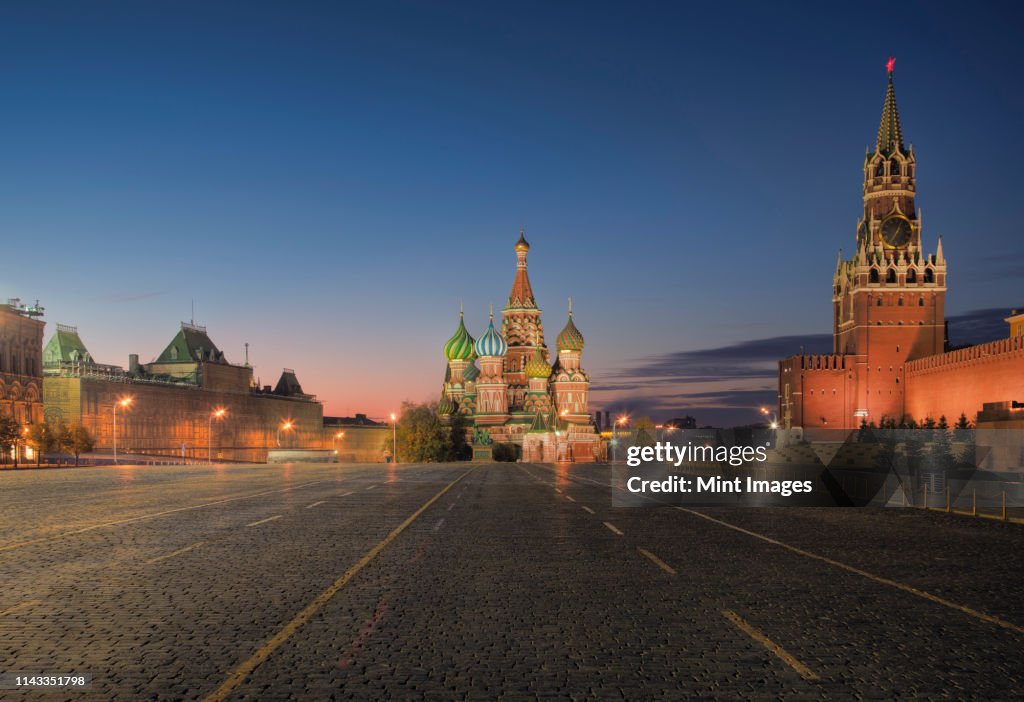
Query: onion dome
(491, 343)
(522, 244)
(471, 373)
(537, 367)
(460, 346)
(446, 407)
(570, 338)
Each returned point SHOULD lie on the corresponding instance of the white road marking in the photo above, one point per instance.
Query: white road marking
(315, 504)
(264, 521)
(172, 554)
(587, 509)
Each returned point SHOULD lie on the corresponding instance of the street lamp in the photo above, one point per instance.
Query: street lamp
(123, 403)
(394, 439)
(622, 419)
(215, 414)
(334, 441)
(286, 425)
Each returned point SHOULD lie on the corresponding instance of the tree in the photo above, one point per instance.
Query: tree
(962, 430)
(10, 432)
(79, 440)
(423, 437)
(942, 448)
(40, 438)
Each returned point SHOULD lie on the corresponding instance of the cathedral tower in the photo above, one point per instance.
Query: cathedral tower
(569, 382)
(521, 325)
(491, 386)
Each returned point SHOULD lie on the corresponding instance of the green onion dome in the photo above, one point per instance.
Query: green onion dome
(446, 407)
(460, 346)
(491, 343)
(471, 373)
(537, 367)
(570, 338)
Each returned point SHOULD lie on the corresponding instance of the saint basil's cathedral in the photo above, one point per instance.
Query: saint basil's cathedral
(516, 394)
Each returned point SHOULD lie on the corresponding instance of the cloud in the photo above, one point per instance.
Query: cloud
(978, 326)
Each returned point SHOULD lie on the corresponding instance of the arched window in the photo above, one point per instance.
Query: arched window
(878, 302)
(900, 303)
(912, 276)
(929, 275)
(890, 276)
(894, 167)
(880, 171)
(920, 301)
(873, 276)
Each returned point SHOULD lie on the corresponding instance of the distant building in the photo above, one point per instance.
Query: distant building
(516, 395)
(891, 359)
(686, 422)
(21, 370)
(174, 398)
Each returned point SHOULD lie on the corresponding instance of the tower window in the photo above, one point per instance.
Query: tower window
(890, 276)
(878, 302)
(894, 167)
(900, 303)
(912, 276)
(929, 275)
(873, 276)
(920, 301)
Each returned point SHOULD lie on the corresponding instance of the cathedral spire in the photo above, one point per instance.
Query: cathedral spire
(890, 135)
(521, 296)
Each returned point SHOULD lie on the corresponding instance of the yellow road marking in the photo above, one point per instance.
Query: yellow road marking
(172, 554)
(870, 576)
(587, 509)
(264, 521)
(19, 607)
(657, 561)
(614, 529)
(783, 655)
(129, 520)
(848, 568)
(315, 504)
(239, 674)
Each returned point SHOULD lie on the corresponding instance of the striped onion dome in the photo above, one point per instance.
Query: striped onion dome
(570, 338)
(471, 373)
(460, 346)
(446, 407)
(491, 343)
(537, 367)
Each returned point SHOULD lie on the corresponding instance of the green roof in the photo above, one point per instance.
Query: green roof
(65, 346)
(191, 343)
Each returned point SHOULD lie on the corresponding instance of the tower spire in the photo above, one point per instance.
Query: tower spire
(890, 134)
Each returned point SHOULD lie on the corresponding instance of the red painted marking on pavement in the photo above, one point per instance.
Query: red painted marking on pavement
(364, 635)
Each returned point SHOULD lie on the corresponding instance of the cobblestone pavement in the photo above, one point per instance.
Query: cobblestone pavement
(495, 581)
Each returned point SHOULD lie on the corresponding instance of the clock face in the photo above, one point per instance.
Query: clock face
(896, 231)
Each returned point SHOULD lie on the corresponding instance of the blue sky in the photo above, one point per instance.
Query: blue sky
(326, 180)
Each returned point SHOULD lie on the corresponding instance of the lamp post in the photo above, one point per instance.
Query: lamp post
(394, 439)
(215, 414)
(615, 433)
(286, 425)
(123, 403)
(334, 442)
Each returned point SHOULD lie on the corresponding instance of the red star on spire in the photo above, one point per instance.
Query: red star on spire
(890, 64)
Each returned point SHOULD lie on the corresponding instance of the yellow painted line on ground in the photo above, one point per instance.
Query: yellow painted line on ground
(587, 509)
(614, 529)
(129, 520)
(848, 568)
(863, 573)
(315, 504)
(264, 521)
(19, 607)
(172, 554)
(781, 653)
(657, 561)
(237, 676)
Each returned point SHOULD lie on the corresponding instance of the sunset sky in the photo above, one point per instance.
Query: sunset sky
(326, 183)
